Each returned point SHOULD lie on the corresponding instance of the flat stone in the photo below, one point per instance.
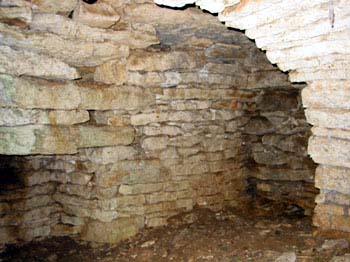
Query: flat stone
(31, 64)
(136, 37)
(259, 126)
(333, 178)
(107, 155)
(329, 151)
(118, 97)
(17, 117)
(330, 118)
(112, 72)
(48, 6)
(335, 244)
(15, 3)
(155, 143)
(94, 136)
(287, 257)
(72, 51)
(15, 15)
(123, 228)
(293, 143)
(28, 93)
(36, 139)
(99, 14)
(268, 155)
(327, 94)
(159, 61)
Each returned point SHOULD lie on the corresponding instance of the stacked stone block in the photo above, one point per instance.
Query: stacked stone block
(123, 119)
(309, 39)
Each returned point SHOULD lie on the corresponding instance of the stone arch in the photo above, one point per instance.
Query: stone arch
(310, 41)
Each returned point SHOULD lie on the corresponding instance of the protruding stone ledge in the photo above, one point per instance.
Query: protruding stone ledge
(31, 64)
(38, 139)
(71, 51)
(29, 93)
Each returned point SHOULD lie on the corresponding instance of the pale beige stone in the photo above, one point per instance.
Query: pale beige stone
(99, 14)
(17, 117)
(329, 118)
(327, 94)
(162, 130)
(118, 97)
(53, 140)
(94, 136)
(54, 7)
(72, 51)
(329, 151)
(18, 3)
(112, 72)
(155, 143)
(112, 232)
(23, 14)
(107, 155)
(333, 178)
(156, 61)
(136, 38)
(31, 64)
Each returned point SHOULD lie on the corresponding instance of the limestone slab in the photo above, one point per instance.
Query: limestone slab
(19, 63)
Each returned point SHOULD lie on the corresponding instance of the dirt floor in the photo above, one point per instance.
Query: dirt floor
(224, 237)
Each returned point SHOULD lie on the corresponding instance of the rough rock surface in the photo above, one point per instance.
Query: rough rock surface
(137, 117)
(310, 40)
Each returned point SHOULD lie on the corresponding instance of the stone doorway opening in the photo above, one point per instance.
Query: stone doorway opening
(151, 117)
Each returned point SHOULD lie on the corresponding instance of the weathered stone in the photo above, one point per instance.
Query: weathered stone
(333, 178)
(94, 136)
(31, 64)
(36, 139)
(52, 7)
(144, 119)
(292, 143)
(329, 151)
(112, 232)
(267, 173)
(26, 93)
(73, 52)
(123, 97)
(287, 257)
(97, 15)
(107, 155)
(17, 117)
(14, 3)
(156, 61)
(15, 15)
(140, 189)
(268, 155)
(155, 143)
(327, 94)
(162, 130)
(137, 38)
(259, 126)
(329, 118)
(112, 72)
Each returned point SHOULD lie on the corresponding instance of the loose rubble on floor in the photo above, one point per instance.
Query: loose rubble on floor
(202, 235)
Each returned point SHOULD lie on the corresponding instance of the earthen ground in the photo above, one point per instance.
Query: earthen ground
(201, 235)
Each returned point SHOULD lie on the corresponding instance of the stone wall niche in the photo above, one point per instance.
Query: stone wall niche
(125, 114)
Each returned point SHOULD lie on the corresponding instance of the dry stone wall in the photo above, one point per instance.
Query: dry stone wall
(310, 39)
(121, 114)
